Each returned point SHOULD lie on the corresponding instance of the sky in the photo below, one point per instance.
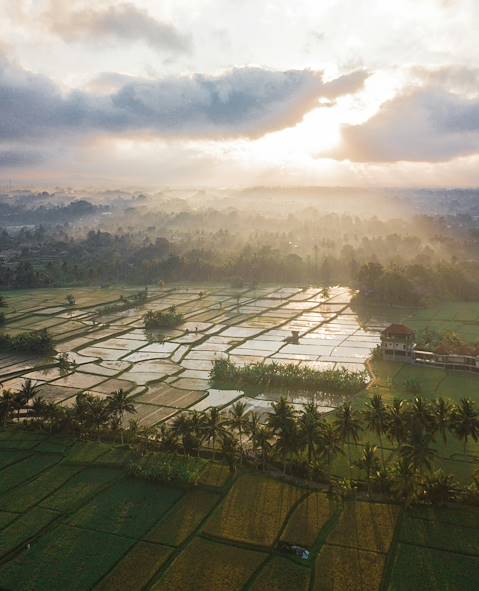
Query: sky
(233, 93)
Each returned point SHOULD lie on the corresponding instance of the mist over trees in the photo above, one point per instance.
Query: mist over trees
(394, 252)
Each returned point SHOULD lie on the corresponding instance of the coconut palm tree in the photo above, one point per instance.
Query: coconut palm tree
(375, 416)
(309, 429)
(119, 405)
(465, 421)
(230, 450)
(26, 392)
(440, 488)
(404, 481)
(396, 427)
(7, 405)
(443, 412)
(254, 423)
(263, 442)
(287, 443)
(417, 451)
(181, 427)
(282, 415)
(213, 427)
(330, 445)
(238, 419)
(368, 462)
(421, 415)
(348, 426)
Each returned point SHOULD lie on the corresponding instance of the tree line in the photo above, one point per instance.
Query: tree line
(300, 443)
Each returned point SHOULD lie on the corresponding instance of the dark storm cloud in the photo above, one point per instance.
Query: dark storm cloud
(242, 102)
(120, 23)
(427, 124)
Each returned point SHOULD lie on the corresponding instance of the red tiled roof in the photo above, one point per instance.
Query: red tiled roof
(397, 330)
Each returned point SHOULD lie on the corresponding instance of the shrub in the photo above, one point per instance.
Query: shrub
(164, 467)
(289, 375)
(37, 342)
(168, 319)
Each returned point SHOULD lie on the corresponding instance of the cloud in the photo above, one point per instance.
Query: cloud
(19, 158)
(242, 102)
(119, 23)
(425, 124)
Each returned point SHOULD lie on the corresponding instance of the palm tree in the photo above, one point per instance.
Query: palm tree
(417, 451)
(348, 426)
(421, 414)
(330, 445)
(440, 488)
(39, 407)
(396, 428)
(7, 405)
(252, 427)
(213, 427)
(282, 415)
(309, 427)
(119, 405)
(263, 442)
(26, 392)
(368, 462)
(229, 450)
(443, 412)
(168, 438)
(404, 484)
(375, 416)
(465, 421)
(238, 419)
(287, 442)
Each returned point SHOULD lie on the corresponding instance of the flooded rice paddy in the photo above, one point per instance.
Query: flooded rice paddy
(167, 371)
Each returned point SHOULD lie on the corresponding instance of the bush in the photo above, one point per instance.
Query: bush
(163, 467)
(37, 342)
(289, 375)
(168, 319)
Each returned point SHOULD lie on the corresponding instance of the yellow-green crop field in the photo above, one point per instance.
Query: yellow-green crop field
(82, 525)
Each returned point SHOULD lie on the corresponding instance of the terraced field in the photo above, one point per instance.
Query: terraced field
(166, 371)
(78, 525)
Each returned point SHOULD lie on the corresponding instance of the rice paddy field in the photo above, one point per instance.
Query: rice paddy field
(67, 521)
(167, 371)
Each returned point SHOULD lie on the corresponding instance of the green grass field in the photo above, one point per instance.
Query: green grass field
(86, 524)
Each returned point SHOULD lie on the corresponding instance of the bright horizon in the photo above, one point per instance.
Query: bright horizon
(222, 93)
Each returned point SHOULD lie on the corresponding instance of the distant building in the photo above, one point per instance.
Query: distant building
(398, 343)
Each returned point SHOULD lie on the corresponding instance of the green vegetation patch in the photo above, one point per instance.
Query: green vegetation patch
(184, 518)
(79, 488)
(135, 570)
(129, 507)
(347, 569)
(166, 467)
(290, 375)
(369, 526)
(24, 528)
(208, 565)
(424, 569)
(25, 496)
(442, 536)
(281, 574)
(65, 558)
(308, 519)
(254, 510)
(25, 469)
(215, 474)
